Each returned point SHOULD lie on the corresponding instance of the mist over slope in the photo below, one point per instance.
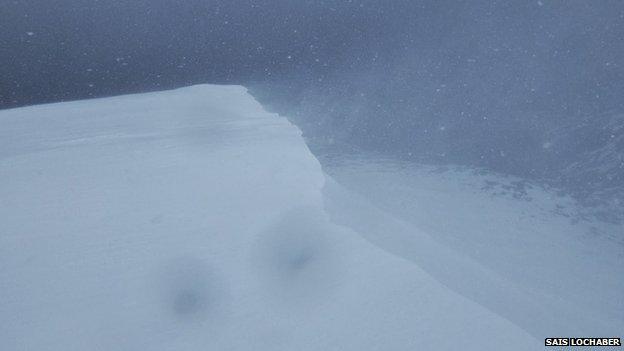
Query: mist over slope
(532, 88)
(529, 89)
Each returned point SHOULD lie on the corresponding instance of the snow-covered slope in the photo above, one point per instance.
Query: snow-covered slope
(517, 248)
(193, 220)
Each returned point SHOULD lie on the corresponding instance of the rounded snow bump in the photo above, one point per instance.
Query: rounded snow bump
(295, 258)
(191, 290)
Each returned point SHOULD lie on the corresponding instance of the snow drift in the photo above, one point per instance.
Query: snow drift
(192, 219)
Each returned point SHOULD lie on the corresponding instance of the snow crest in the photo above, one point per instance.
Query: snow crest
(193, 219)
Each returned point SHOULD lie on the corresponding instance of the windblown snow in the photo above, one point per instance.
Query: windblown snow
(194, 220)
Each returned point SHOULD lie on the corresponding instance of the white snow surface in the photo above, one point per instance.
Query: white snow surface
(194, 220)
(519, 249)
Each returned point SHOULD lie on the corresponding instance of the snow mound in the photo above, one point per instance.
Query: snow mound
(192, 219)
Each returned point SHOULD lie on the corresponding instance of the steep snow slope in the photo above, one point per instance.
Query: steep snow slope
(517, 248)
(193, 220)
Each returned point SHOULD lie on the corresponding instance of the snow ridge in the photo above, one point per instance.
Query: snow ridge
(193, 219)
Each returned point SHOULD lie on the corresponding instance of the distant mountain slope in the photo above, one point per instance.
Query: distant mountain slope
(595, 171)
